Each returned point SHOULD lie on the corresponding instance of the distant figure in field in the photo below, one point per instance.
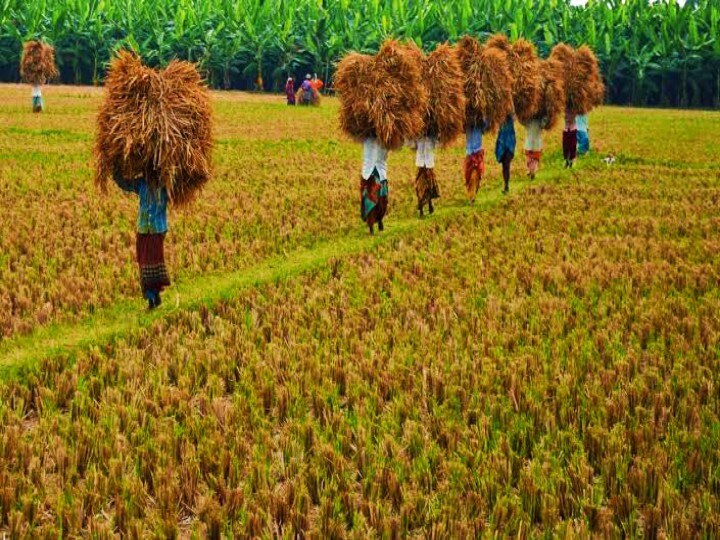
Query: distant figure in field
(474, 160)
(570, 139)
(150, 238)
(374, 184)
(583, 136)
(533, 146)
(307, 90)
(37, 100)
(290, 91)
(316, 83)
(505, 149)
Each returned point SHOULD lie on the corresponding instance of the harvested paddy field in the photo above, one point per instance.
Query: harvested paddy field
(541, 364)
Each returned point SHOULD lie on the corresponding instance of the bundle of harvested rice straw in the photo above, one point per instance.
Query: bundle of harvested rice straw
(552, 93)
(583, 83)
(352, 82)
(527, 81)
(156, 125)
(399, 99)
(382, 96)
(37, 65)
(314, 98)
(444, 82)
(488, 83)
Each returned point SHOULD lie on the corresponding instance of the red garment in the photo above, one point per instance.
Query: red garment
(372, 189)
(533, 160)
(317, 84)
(151, 260)
(570, 144)
(290, 93)
(474, 172)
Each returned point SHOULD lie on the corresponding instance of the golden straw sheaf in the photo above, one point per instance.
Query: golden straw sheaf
(488, 83)
(552, 94)
(353, 84)
(443, 78)
(156, 125)
(583, 83)
(37, 65)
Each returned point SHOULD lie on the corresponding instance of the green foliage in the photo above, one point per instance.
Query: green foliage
(651, 52)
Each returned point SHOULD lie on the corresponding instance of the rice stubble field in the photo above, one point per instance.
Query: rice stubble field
(543, 364)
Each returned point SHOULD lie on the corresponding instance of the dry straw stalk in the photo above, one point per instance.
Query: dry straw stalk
(156, 125)
(37, 65)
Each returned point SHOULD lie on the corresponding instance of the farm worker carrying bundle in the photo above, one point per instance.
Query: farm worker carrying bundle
(37, 67)
(150, 239)
(505, 149)
(569, 141)
(426, 186)
(533, 146)
(154, 139)
(307, 90)
(583, 137)
(374, 184)
(316, 83)
(290, 91)
(382, 105)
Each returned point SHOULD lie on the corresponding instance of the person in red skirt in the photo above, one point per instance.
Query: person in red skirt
(374, 184)
(569, 141)
(150, 239)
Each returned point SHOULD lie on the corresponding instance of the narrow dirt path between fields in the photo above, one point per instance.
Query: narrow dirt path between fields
(21, 353)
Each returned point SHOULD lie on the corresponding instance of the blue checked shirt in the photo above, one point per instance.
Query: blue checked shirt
(152, 215)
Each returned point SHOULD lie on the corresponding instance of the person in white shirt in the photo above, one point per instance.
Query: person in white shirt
(533, 145)
(426, 187)
(37, 101)
(374, 184)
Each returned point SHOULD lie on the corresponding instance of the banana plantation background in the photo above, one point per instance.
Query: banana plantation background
(652, 53)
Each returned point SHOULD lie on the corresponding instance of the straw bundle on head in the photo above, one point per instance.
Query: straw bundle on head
(499, 42)
(527, 83)
(156, 125)
(583, 84)
(314, 99)
(443, 79)
(587, 59)
(398, 99)
(353, 83)
(37, 65)
(488, 84)
(552, 100)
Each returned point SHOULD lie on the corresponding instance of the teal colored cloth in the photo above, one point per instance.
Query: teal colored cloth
(473, 139)
(38, 102)
(583, 142)
(368, 203)
(506, 139)
(152, 214)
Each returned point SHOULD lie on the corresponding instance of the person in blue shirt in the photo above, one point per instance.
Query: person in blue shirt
(505, 149)
(583, 137)
(150, 239)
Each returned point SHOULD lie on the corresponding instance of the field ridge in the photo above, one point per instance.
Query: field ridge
(20, 353)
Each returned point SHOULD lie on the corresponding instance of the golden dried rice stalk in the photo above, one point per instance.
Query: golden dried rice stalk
(552, 95)
(488, 83)
(583, 83)
(156, 125)
(37, 65)
(354, 86)
(443, 79)
(398, 99)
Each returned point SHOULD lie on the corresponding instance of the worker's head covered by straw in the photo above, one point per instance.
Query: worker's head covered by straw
(155, 124)
(37, 65)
